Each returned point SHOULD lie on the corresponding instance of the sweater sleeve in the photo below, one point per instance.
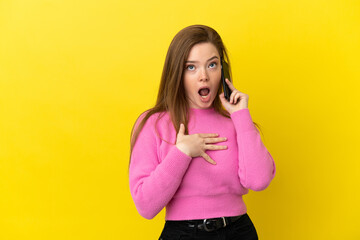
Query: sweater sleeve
(152, 182)
(256, 165)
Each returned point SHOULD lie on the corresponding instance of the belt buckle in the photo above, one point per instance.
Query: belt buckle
(209, 230)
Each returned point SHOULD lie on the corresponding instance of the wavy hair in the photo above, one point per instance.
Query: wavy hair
(171, 97)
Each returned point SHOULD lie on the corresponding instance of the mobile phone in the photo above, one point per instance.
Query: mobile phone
(225, 74)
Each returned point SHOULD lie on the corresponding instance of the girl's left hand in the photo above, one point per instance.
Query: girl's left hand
(234, 105)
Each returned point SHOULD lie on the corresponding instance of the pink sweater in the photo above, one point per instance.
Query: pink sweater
(161, 175)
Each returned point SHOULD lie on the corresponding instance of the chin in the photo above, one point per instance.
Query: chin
(206, 105)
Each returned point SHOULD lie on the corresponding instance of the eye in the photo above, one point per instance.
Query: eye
(212, 65)
(190, 67)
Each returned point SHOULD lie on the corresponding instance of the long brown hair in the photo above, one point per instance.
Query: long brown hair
(171, 96)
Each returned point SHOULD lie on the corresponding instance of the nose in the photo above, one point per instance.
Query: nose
(204, 75)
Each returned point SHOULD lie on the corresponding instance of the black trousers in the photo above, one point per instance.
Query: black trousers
(241, 229)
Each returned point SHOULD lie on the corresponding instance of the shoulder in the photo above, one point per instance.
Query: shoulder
(154, 117)
(152, 120)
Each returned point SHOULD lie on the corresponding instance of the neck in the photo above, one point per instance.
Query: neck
(210, 109)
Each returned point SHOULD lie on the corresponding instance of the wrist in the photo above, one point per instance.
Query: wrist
(235, 110)
(183, 148)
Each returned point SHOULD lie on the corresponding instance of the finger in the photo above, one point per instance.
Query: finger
(181, 130)
(205, 135)
(215, 140)
(208, 158)
(231, 86)
(222, 98)
(215, 147)
(232, 96)
(236, 97)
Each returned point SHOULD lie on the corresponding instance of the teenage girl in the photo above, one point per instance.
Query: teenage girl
(195, 152)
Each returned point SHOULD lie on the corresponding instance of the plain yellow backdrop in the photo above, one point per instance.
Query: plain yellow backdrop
(75, 75)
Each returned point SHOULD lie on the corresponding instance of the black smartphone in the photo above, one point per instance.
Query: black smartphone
(225, 74)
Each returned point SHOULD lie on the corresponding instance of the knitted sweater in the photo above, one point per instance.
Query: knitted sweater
(160, 175)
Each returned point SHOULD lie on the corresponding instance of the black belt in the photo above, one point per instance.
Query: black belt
(210, 224)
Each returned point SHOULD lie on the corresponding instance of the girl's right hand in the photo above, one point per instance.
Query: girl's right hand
(195, 145)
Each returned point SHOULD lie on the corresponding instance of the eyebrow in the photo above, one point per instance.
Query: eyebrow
(198, 61)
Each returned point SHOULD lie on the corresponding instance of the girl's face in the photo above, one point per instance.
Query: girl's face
(202, 75)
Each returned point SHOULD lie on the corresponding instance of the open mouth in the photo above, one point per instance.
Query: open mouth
(204, 92)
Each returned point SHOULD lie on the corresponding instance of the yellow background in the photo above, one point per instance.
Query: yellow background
(75, 75)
